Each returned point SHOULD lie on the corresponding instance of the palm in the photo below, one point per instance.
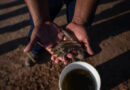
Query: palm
(81, 33)
(47, 35)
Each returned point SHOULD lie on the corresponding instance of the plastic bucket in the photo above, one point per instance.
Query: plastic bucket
(83, 66)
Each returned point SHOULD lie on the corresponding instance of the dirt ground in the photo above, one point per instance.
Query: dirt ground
(110, 36)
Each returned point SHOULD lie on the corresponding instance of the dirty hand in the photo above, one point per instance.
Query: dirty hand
(47, 35)
(80, 31)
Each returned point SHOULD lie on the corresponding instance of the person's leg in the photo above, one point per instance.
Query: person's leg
(54, 7)
(70, 9)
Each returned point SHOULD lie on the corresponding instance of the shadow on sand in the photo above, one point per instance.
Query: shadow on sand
(110, 23)
(115, 71)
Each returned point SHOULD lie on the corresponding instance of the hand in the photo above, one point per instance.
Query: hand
(80, 32)
(47, 35)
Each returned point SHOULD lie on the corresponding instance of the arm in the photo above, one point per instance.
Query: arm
(39, 10)
(45, 32)
(83, 11)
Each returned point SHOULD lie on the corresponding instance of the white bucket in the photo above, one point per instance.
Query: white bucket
(84, 66)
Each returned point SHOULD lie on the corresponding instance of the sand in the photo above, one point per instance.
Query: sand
(110, 37)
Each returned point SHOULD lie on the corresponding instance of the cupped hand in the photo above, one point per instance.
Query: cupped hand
(47, 35)
(80, 32)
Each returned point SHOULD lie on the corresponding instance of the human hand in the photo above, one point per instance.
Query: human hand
(80, 31)
(47, 35)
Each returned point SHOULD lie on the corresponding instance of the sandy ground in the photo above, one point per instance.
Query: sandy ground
(111, 41)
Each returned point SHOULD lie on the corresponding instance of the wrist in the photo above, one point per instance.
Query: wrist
(79, 21)
(40, 21)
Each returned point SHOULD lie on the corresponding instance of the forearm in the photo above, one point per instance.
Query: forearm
(83, 10)
(39, 10)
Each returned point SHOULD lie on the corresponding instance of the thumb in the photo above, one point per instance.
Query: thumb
(30, 45)
(88, 47)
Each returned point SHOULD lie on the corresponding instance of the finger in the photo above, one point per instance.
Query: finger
(63, 59)
(69, 55)
(49, 50)
(65, 62)
(53, 57)
(30, 45)
(57, 61)
(65, 38)
(60, 36)
(48, 47)
(88, 48)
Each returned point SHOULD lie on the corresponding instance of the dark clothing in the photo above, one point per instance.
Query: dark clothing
(54, 7)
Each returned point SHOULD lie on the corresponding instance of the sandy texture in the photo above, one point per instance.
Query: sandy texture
(110, 39)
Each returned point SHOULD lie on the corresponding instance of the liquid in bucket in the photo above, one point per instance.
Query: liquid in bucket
(78, 79)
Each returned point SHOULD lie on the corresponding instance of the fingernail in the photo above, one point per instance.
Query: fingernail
(56, 62)
(25, 50)
(69, 55)
(52, 58)
(65, 63)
